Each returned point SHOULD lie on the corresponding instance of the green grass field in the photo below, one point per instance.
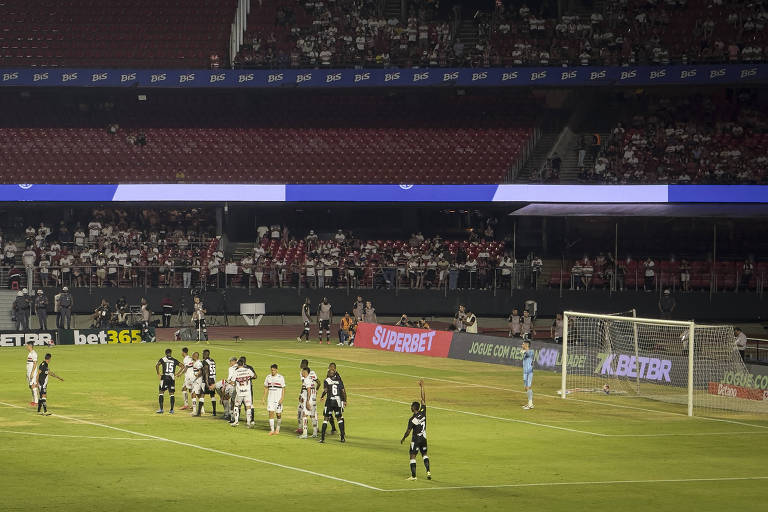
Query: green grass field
(104, 448)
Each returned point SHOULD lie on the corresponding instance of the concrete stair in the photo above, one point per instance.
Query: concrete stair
(537, 158)
(6, 303)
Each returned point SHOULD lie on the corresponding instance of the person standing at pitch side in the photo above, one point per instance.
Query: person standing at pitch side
(324, 319)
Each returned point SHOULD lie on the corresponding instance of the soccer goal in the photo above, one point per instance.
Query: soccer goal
(669, 361)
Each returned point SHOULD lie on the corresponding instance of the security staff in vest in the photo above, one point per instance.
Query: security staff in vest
(21, 312)
(65, 308)
(41, 310)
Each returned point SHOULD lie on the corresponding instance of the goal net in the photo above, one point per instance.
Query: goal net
(656, 359)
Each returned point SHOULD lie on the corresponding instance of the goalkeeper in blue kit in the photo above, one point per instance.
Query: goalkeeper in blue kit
(528, 373)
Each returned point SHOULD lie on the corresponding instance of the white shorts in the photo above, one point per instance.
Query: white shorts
(310, 411)
(243, 399)
(274, 406)
(198, 387)
(188, 382)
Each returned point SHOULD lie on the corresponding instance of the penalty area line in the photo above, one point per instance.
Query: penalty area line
(207, 449)
(512, 420)
(595, 482)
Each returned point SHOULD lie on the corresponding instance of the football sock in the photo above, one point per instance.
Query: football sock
(194, 404)
(200, 405)
(271, 424)
(304, 426)
(236, 414)
(35, 395)
(186, 398)
(426, 462)
(413, 468)
(249, 415)
(322, 432)
(213, 404)
(160, 399)
(314, 426)
(530, 396)
(39, 404)
(333, 425)
(341, 427)
(173, 401)
(44, 403)
(279, 422)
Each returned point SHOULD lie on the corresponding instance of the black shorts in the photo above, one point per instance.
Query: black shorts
(325, 325)
(43, 389)
(419, 444)
(306, 326)
(333, 408)
(167, 384)
(208, 390)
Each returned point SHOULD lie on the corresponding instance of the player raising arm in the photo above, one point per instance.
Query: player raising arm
(417, 427)
(42, 381)
(166, 369)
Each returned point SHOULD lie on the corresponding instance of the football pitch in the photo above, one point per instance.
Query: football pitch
(104, 448)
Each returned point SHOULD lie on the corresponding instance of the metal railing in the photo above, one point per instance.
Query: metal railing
(756, 351)
(635, 279)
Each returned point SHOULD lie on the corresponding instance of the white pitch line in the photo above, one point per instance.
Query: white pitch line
(758, 432)
(79, 437)
(512, 420)
(595, 482)
(205, 448)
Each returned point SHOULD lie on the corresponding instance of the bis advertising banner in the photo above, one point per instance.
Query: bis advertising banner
(98, 336)
(403, 339)
(19, 339)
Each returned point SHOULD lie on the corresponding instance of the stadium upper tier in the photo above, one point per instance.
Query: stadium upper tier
(275, 139)
(353, 33)
(117, 33)
(346, 33)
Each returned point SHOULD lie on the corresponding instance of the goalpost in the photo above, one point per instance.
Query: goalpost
(665, 360)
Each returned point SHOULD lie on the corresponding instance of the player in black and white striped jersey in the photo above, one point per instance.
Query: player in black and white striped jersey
(333, 388)
(417, 427)
(43, 372)
(166, 369)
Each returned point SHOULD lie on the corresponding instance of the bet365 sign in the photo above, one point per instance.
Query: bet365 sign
(105, 336)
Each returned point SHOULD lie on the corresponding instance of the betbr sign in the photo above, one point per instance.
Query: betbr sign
(19, 339)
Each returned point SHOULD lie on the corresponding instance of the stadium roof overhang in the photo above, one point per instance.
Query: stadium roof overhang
(642, 210)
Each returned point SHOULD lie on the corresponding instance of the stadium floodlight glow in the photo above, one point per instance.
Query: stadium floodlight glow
(663, 360)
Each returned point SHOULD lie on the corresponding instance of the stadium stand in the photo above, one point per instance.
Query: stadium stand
(280, 139)
(694, 139)
(121, 33)
(363, 34)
